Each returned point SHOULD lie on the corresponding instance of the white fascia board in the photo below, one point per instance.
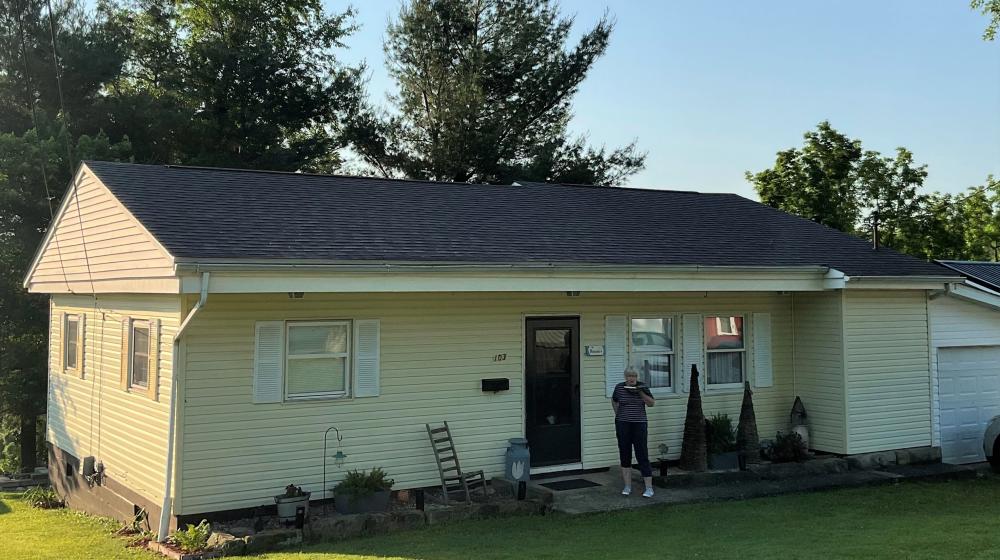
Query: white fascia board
(974, 294)
(899, 282)
(402, 279)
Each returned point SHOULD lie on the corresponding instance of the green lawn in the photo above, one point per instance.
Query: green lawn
(912, 520)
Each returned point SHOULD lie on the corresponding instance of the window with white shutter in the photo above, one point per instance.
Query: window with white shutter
(269, 353)
(366, 358)
(692, 349)
(763, 367)
(615, 351)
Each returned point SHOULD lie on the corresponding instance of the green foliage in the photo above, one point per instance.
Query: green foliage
(484, 95)
(789, 447)
(991, 9)
(293, 491)
(359, 484)
(720, 434)
(830, 180)
(818, 181)
(42, 497)
(193, 538)
(238, 83)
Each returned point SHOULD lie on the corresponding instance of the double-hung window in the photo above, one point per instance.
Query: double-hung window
(71, 342)
(139, 358)
(651, 350)
(725, 350)
(317, 360)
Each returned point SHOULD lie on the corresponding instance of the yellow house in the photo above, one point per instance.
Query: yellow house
(208, 326)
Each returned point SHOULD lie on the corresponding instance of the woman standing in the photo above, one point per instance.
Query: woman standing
(630, 400)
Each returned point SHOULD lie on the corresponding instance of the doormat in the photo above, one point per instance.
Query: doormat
(571, 484)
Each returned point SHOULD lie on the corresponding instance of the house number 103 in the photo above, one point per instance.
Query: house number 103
(499, 357)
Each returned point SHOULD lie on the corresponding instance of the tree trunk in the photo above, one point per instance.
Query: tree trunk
(29, 437)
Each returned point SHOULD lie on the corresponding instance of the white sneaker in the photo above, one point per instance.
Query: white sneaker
(627, 491)
(648, 493)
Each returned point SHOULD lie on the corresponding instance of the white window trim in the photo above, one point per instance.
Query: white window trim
(744, 352)
(348, 377)
(133, 324)
(657, 391)
(65, 344)
(728, 331)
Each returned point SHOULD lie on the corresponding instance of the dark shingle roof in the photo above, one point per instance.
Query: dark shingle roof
(985, 273)
(200, 213)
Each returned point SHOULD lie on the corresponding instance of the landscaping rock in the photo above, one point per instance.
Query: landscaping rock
(448, 515)
(871, 461)
(377, 524)
(407, 519)
(272, 540)
(337, 527)
(240, 532)
(227, 544)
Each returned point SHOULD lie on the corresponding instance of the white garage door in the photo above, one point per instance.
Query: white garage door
(969, 395)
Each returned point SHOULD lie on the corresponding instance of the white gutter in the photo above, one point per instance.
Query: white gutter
(168, 473)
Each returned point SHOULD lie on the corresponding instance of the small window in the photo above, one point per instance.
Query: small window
(139, 359)
(317, 359)
(651, 350)
(71, 342)
(725, 350)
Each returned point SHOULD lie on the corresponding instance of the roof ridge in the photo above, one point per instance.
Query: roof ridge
(401, 180)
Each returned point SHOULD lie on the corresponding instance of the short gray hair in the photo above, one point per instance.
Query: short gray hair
(631, 371)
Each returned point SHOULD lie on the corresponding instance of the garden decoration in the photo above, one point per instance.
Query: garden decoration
(338, 458)
(694, 455)
(747, 440)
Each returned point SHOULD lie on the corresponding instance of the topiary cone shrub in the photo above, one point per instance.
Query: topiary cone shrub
(694, 448)
(747, 440)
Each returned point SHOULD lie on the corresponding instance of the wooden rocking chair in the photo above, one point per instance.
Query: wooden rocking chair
(452, 477)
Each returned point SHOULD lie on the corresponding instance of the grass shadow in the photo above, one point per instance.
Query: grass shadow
(4, 508)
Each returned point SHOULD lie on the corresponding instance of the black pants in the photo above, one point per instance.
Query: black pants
(633, 434)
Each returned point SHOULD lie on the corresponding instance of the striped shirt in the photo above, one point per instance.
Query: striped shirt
(631, 408)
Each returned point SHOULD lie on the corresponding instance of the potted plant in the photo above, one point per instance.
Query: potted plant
(721, 438)
(363, 492)
(289, 503)
(661, 462)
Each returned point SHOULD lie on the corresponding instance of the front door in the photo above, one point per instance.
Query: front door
(552, 390)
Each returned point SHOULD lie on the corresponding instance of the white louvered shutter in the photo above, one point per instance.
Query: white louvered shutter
(126, 354)
(763, 368)
(615, 351)
(81, 345)
(154, 359)
(693, 348)
(268, 363)
(366, 358)
(58, 349)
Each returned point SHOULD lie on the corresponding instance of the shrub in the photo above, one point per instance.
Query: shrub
(42, 497)
(720, 434)
(193, 538)
(359, 483)
(789, 447)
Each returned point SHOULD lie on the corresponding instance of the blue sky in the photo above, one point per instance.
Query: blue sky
(712, 89)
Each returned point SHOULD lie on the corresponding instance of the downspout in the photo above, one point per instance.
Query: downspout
(168, 472)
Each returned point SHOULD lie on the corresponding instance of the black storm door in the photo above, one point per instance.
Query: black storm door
(552, 390)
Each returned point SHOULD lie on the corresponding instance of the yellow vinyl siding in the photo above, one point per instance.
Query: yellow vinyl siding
(888, 370)
(96, 239)
(435, 348)
(819, 367)
(93, 416)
